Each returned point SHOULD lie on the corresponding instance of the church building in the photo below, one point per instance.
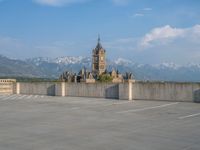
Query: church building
(98, 70)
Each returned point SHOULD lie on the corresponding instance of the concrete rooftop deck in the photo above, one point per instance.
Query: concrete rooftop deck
(33, 122)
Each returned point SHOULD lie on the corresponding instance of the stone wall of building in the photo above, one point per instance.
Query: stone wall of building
(7, 86)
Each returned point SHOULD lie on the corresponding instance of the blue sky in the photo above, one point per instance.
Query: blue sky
(146, 31)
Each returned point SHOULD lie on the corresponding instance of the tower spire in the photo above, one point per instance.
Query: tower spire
(99, 39)
(98, 47)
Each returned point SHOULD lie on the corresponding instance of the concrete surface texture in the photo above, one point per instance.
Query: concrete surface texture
(37, 122)
(139, 90)
(40, 88)
(166, 91)
(100, 90)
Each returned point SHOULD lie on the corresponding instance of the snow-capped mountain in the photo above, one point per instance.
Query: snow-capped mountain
(39, 60)
(72, 60)
(61, 60)
(49, 67)
(122, 61)
(168, 65)
(193, 65)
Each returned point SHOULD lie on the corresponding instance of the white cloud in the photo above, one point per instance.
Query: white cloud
(164, 35)
(167, 43)
(121, 2)
(147, 9)
(179, 45)
(10, 42)
(12, 47)
(143, 12)
(68, 2)
(58, 2)
(138, 15)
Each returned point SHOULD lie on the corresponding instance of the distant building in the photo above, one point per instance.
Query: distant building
(98, 69)
(98, 59)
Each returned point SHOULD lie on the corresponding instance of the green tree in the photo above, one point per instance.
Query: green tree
(105, 78)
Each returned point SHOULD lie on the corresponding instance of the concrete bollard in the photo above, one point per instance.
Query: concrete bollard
(17, 88)
(63, 89)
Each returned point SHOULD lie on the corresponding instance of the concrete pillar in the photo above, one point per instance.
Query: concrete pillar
(130, 87)
(63, 89)
(17, 88)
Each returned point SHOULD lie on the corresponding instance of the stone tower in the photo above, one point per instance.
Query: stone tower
(98, 59)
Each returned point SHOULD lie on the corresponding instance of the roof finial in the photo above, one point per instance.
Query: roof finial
(99, 39)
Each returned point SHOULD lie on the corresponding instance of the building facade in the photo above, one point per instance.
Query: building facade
(98, 59)
(98, 72)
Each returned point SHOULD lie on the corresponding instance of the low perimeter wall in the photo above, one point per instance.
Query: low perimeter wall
(132, 90)
(170, 91)
(38, 88)
(99, 90)
(69, 89)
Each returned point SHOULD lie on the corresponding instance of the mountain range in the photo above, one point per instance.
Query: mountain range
(42, 67)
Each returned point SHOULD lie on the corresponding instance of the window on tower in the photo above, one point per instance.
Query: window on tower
(101, 66)
(95, 59)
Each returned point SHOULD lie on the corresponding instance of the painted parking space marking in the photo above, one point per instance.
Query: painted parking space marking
(104, 104)
(9, 97)
(3, 96)
(147, 108)
(75, 108)
(118, 103)
(29, 97)
(22, 96)
(189, 116)
(14, 97)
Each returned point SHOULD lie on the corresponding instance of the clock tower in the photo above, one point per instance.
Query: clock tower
(98, 59)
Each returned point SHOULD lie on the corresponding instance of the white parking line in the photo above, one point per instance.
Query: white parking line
(22, 96)
(147, 108)
(189, 116)
(9, 97)
(118, 103)
(30, 96)
(75, 108)
(3, 96)
(35, 96)
(15, 97)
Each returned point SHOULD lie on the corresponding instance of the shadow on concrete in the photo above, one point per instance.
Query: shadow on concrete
(51, 90)
(196, 96)
(112, 92)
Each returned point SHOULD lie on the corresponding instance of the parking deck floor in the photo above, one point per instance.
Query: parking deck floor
(33, 122)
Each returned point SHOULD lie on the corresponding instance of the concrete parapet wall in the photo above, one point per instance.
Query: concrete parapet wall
(124, 91)
(40, 88)
(101, 90)
(170, 91)
(139, 90)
